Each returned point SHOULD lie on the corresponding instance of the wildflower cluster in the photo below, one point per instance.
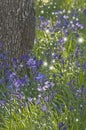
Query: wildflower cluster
(23, 80)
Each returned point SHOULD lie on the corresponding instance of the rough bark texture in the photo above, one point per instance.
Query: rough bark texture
(17, 26)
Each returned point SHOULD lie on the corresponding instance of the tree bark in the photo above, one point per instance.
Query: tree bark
(17, 26)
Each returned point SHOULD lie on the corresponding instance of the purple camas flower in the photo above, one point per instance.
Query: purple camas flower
(17, 83)
(84, 66)
(45, 87)
(66, 33)
(10, 87)
(55, 56)
(2, 102)
(5, 65)
(41, 18)
(1, 56)
(48, 85)
(1, 81)
(65, 17)
(79, 25)
(81, 91)
(29, 99)
(66, 22)
(25, 57)
(61, 124)
(61, 40)
(31, 62)
(12, 76)
(39, 63)
(76, 54)
(44, 108)
(40, 88)
(38, 101)
(51, 84)
(14, 61)
(34, 64)
(40, 77)
(1, 67)
(20, 96)
(24, 80)
(64, 128)
(46, 99)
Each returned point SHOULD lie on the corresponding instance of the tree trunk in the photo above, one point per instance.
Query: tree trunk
(17, 26)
